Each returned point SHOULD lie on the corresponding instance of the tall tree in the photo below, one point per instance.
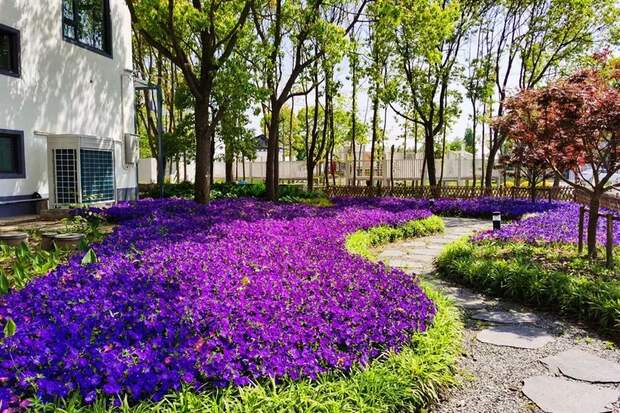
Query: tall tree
(354, 66)
(429, 37)
(535, 38)
(198, 36)
(297, 27)
(572, 125)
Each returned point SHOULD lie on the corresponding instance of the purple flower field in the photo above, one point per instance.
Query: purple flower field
(482, 207)
(556, 225)
(209, 295)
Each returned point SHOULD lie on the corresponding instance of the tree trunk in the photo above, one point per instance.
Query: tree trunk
(532, 188)
(423, 169)
(483, 179)
(595, 202)
(229, 170)
(202, 180)
(211, 159)
(310, 174)
(473, 143)
(443, 155)
(271, 179)
(493, 150)
(354, 120)
(392, 167)
(415, 151)
(375, 114)
(290, 131)
(429, 152)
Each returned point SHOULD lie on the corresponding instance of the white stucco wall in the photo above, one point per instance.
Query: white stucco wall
(65, 89)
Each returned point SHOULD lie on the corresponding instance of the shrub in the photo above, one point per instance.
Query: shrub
(549, 276)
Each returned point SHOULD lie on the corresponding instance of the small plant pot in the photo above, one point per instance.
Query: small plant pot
(13, 238)
(47, 240)
(68, 241)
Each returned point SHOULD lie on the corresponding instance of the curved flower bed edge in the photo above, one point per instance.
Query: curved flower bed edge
(408, 380)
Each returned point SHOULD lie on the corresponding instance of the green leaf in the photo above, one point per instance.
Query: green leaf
(9, 328)
(90, 257)
(4, 284)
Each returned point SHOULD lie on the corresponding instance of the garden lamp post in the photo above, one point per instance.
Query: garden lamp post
(497, 220)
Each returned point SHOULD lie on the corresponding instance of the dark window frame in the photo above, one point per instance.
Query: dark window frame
(21, 160)
(75, 24)
(16, 52)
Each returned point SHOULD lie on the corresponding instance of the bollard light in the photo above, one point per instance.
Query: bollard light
(497, 221)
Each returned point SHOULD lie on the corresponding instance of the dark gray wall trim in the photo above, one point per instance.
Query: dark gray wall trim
(14, 198)
(29, 206)
(126, 194)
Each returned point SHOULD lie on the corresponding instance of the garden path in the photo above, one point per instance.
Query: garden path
(505, 344)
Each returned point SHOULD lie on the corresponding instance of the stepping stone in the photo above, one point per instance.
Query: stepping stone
(467, 300)
(580, 365)
(392, 253)
(518, 336)
(505, 317)
(410, 244)
(557, 395)
(401, 263)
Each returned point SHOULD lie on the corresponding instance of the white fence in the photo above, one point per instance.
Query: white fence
(457, 170)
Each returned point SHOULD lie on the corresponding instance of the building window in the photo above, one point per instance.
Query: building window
(9, 51)
(97, 175)
(87, 24)
(12, 154)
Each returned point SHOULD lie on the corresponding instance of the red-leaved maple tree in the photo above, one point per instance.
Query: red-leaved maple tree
(572, 125)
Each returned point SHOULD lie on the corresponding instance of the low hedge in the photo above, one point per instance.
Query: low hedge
(547, 276)
(409, 380)
(362, 242)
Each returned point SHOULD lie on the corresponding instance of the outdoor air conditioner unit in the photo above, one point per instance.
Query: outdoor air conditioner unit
(132, 149)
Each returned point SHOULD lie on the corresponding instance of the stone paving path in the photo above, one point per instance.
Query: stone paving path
(514, 359)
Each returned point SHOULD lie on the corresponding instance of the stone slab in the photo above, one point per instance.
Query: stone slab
(391, 253)
(558, 395)
(517, 335)
(467, 300)
(505, 317)
(402, 263)
(580, 365)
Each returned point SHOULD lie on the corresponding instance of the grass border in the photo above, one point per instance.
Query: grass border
(409, 380)
(484, 266)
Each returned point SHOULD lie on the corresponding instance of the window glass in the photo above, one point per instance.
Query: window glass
(87, 23)
(9, 154)
(9, 55)
(92, 26)
(67, 9)
(5, 51)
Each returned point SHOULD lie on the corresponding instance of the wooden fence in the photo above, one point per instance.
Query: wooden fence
(561, 193)
(608, 201)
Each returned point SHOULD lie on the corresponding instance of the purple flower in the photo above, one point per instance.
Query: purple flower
(222, 294)
(557, 225)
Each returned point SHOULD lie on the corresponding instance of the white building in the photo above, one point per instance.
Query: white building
(66, 104)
